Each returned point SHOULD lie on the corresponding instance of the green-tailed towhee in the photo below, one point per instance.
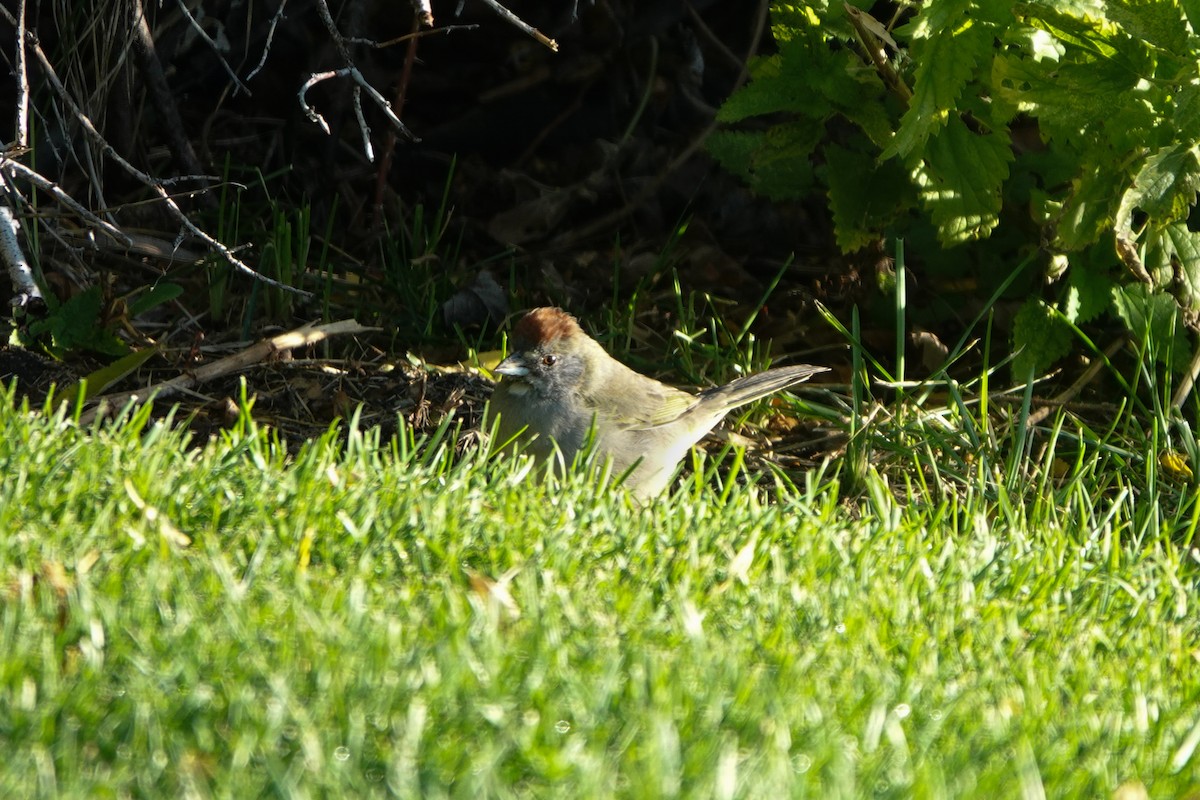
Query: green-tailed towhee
(559, 382)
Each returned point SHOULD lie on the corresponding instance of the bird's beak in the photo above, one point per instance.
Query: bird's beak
(513, 366)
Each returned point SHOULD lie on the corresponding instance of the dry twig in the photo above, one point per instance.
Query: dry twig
(352, 72)
(15, 168)
(154, 184)
(187, 14)
(522, 25)
(254, 354)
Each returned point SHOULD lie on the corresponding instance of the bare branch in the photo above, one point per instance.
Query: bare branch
(213, 46)
(16, 168)
(10, 251)
(363, 128)
(154, 184)
(310, 112)
(270, 38)
(378, 45)
(156, 85)
(352, 73)
(513, 19)
(339, 41)
(22, 139)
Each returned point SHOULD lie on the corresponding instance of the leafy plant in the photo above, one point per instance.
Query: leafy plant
(1074, 124)
(77, 324)
(86, 322)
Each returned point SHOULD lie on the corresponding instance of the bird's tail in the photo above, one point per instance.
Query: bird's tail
(752, 387)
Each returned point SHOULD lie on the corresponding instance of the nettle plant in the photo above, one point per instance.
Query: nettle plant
(1077, 122)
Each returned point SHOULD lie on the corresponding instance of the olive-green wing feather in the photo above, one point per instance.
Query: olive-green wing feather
(654, 403)
(640, 402)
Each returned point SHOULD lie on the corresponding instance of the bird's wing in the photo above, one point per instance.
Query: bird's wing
(646, 403)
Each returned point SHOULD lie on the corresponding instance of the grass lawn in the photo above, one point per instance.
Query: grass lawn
(379, 619)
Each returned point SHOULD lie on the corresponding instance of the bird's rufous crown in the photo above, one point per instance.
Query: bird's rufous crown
(544, 325)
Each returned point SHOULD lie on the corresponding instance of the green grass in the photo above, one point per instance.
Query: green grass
(364, 618)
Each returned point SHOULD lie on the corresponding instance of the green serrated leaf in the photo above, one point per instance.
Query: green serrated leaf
(1153, 318)
(1134, 126)
(764, 94)
(936, 18)
(775, 163)
(1144, 311)
(960, 180)
(785, 82)
(1039, 44)
(782, 168)
(858, 95)
(1185, 112)
(85, 331)
(76, 325)
(73, 321)
(1088, 295)
(789, 20)
(1086, 28)
(734, 150)
(946, 62)
(1180, 249)
(1088, 210)
(1191, 10)
(1155, 22)
(864, 196)
(1164, 188)
(78, 317)
(828, 17)
(1082, 24)
(1040, 337)
(1070, 99)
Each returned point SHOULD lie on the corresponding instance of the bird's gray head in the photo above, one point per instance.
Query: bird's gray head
(550, 353)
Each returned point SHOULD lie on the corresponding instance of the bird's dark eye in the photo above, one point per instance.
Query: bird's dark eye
(550, 361)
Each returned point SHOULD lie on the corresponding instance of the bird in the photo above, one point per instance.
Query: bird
(561, 392)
